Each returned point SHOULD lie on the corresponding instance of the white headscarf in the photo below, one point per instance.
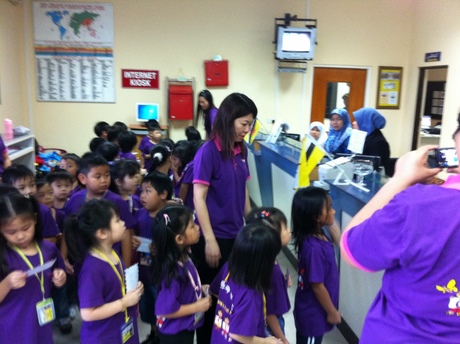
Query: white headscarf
(323, 136)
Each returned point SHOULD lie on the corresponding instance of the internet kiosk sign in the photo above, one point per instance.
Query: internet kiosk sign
(135, 78)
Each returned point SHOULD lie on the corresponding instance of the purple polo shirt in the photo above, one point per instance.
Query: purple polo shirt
(144, 228)
(277, 296)
(19, 305)
(240, 310)
(317, 264)
(180, 292)
(126, 156)
(77, 200)
(226, 180)
(145, 146)
(133, 203)
(3, 150)
(414, 238)
(186, 178)
(50, 227)
(97, 285)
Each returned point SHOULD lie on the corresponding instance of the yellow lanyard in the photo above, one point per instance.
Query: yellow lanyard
(41, 280)
(120, 276)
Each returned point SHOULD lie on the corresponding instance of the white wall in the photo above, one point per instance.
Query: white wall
(173, 36)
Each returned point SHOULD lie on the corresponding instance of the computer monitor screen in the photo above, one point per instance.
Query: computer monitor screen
(145, 112)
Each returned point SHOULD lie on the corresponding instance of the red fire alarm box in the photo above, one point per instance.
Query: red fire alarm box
(216, 73)
(180, 102)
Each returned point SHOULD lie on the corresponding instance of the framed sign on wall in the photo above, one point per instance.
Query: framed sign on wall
(389, 87)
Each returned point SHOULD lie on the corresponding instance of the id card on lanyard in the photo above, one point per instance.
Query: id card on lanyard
(196, 288)
(127, 329)
(45, 307)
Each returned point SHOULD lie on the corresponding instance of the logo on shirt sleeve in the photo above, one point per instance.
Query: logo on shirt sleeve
(454, 300)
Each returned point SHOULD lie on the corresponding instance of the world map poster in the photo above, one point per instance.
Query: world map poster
(73, 45)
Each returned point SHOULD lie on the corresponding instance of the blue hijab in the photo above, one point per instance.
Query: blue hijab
(337, 137)
(369, 119)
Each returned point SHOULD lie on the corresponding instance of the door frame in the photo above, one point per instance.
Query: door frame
(366, 88)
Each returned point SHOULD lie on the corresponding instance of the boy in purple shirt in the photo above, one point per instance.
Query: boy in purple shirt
(94, 173)
(149, 141)
(127, 140)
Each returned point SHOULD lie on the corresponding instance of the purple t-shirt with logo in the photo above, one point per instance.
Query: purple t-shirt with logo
(317, 264)
(145, 146)
(187, 178)
(50, 227)
(98, 284)
(19, 305)
(180, 292)
(414, 238)
(226, 179)
(127, 156)
(277, 296)
(240, 310)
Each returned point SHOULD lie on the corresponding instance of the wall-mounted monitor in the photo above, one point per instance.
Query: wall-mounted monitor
(295, 43)
(147, 111)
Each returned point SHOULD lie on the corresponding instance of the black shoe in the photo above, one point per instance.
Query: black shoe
(151, 339)
(65, 325)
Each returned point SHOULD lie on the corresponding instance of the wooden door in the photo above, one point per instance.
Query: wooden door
(356, 78)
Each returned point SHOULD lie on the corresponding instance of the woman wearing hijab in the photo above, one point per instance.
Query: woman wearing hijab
(318, 133)
(339, 132)
(371, 121)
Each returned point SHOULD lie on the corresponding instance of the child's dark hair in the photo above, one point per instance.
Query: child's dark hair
(253, 256)
(71, 156)
(307, 207)
(89, 161)
(127, 140)
(108, 150)
(80, 230)
(192, 133)
(168, 143)
(12, 205)
(152, 125)
(112, 134)
(169, 222)
(40, 182)
(100, 127)
(160, 182)
(120, 169)
(184, 152)
(120, 125)
(16, 172)
(270, 216)
(95, 143)
(59, 174)
(159, 155)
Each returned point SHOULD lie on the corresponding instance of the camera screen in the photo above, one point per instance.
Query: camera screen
(447, 157)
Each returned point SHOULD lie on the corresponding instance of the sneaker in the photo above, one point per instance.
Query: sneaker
(65, 325)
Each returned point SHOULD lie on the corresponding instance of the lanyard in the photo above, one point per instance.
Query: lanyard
(117, 272)
(41, 280)
(192, 281)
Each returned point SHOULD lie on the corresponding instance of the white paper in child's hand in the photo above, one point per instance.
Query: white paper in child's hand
(132, 277)
(144, 247)
(40, 268)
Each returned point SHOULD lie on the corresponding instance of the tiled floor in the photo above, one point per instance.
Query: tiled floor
(333, 337)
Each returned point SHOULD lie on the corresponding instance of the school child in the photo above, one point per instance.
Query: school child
(95, 143)
(149, 141)
(71, 162)
(25, 305)
(101, 128)
(61, 183)
(156, 192)
(314, 232)
(45, 196)
(106, 308)
(109, 151)
(160, 158)
(23, 180)
(192, 134)
(182, 300)
(124, 181)
(94, 173)
(277, 298)
(127, 140)
(240, 286)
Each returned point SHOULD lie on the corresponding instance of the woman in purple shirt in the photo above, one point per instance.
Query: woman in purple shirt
(220, 194)
(207, 109)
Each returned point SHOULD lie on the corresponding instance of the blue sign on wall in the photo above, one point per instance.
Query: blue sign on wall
(433, 57)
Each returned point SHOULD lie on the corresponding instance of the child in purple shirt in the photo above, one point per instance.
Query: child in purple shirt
(149, 141)
(107, 309)
(127, 140)
(94, 173)
(317, 294)
(277, 298)
(26, 300)
(182, 300)
(240, 287)
(70, 162)
(124, 181)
